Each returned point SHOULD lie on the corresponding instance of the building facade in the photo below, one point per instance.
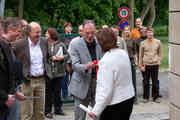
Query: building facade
(174, 59)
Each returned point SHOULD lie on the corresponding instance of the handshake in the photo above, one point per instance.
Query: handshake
(91, 64)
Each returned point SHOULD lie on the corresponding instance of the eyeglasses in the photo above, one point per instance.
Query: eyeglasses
(88, 33)
(36, 32)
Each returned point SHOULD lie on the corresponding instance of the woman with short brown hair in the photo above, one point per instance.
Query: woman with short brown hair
(107, 39)
(114, 90)
(57, 59)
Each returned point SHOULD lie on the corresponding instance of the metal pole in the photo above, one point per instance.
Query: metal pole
(2, 6)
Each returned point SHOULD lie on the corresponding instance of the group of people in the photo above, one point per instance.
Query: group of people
(101, 66)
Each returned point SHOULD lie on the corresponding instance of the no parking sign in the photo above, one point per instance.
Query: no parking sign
(122, 24)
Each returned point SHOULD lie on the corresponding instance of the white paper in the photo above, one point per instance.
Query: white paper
(85, 108)
(60, 52)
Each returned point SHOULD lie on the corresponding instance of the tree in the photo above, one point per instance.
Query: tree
(20, 11)
(131, 6)
(149, 7)
(56, 12)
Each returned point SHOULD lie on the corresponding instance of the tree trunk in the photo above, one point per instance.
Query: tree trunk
(131, 18)
(145, 10)
(21, 6)
(152, 16)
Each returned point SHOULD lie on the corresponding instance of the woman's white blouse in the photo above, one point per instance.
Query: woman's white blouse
(114, 81)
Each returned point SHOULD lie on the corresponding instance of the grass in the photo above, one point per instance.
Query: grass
(164, 41)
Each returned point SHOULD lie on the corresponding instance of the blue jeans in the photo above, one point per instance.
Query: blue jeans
(14, 111)
(65, 85)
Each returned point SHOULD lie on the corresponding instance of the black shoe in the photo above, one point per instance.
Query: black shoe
(60, 113)
(160, 96)
(49, 115)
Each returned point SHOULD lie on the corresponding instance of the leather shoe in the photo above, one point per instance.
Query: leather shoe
(60, 113)
(49, 115)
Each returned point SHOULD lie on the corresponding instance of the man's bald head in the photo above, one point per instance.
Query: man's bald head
(34, 25)
(89, 31)
(24, 22)
(35, 31)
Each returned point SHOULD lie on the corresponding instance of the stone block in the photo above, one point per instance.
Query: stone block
(174, 5)
(174, 28)
(174, 58)
(174, 88)
(174, 113)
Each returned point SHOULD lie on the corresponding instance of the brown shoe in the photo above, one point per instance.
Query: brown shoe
(49, 115)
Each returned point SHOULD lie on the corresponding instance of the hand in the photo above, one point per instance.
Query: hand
(20, 96)
(92, 115)
(143, 68)
(69, 67)
(57, 58)
(90, 65)
(10, 100)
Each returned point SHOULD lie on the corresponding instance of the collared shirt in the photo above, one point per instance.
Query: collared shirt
(92, 50)
(36, 59)
(150, 52)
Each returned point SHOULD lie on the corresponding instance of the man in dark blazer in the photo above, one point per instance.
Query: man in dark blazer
(10, 70)
(7, 83)
(32, 52)
(83, 52)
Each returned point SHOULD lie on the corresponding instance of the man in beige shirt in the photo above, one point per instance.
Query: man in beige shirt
(150, 58)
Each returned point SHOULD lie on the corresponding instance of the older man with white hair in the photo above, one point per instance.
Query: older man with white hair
(32, 51)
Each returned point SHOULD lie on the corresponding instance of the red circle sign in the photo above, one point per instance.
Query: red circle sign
(124, 12)
(122, 24)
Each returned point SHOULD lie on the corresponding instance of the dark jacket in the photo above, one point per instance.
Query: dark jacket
(7, 78)
(57, 68)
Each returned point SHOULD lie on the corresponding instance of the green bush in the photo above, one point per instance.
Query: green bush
(161, 30)
(164, 41)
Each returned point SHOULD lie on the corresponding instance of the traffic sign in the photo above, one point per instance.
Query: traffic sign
(122, 24)
(124, 12)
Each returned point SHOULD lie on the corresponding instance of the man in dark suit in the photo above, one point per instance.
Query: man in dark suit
(83, 51)
(7, 83)
(32, 52)
(9, 73)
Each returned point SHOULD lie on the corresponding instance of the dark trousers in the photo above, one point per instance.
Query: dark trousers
(64, 85)
(3, 117)
(151, 72)
(120, 111)
(53, 94)
(133, 69)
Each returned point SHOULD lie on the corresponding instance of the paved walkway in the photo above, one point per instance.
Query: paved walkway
(141, 111)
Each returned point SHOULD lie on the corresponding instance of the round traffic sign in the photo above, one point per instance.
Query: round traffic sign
(122, 24)
(124, 12)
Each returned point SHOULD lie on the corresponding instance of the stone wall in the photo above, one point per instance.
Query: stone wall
(174, 59)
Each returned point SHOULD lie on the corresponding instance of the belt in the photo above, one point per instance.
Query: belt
(31, 76)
